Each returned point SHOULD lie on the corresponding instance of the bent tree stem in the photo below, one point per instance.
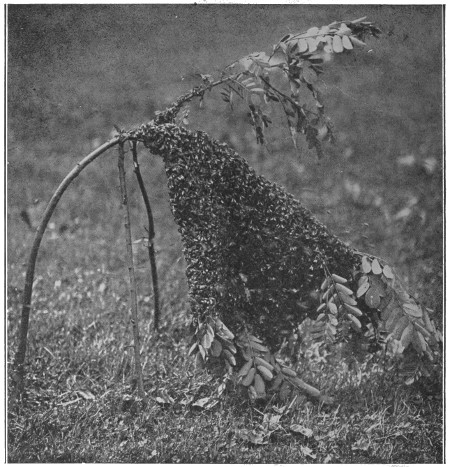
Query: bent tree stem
(19, 359)
(132, 275)
(151, 236)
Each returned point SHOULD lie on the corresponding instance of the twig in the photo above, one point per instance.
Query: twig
(286, 97)
(151, 236)
(29, 278)
(132, 276)
(168, 115)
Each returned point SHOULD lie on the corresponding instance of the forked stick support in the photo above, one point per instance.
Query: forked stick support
(29, 278)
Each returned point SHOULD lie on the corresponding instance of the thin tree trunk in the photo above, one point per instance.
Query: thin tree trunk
(132, 276)
(29, 278)
(151, 236)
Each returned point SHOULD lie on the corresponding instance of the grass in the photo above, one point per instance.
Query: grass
(374, 418)
(81, 401)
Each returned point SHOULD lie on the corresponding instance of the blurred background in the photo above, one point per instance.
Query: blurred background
(75, 71)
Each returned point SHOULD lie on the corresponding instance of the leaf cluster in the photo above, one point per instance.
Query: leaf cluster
(370, 303)
(248, 362)
(379, 308)
(298, 59)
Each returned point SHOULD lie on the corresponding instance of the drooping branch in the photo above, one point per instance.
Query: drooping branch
(29, 278)
(132, 276)
(299, 59)
(151, 236)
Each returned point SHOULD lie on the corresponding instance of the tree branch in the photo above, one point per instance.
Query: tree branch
(151, 235)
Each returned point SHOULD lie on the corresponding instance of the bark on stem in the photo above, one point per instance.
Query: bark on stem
(151, 236)
(29, 278)
(132, 276)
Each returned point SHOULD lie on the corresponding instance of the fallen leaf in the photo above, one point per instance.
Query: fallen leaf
(272, 421)
(253, 436)
(164, 399)
(302, 430)
(201, 402)
(361, 445)
(307, 452)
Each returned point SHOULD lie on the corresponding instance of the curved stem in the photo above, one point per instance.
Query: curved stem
(28, 288)
(151, 236)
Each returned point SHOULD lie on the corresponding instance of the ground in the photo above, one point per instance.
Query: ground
(379, 188)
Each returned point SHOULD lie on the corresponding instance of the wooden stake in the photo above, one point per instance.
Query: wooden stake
(132, 276)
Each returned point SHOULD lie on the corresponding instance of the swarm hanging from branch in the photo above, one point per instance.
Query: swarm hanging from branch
(258, 262)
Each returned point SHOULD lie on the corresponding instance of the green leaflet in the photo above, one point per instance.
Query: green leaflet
(387, 271)
(347, 43)
(245, 369)
(366, 265)
(216, 348)
(387, 309)
(337, 44)
(363, 279)
(356, 41)
(302, 45)
(372, 297)
(400, 326)
(309, 75)
(377, 284)
(278, 58)
(407, 335)
(396, 313)
(413, 309)
(206, 341)
(249, 378)
(376, 268)
(343, 289)
(364, 287)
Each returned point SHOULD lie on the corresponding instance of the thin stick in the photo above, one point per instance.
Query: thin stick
(29, 278)
(151, 236)
(171, 112)
(131, 272)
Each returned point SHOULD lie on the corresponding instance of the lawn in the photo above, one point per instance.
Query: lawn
(76, 71)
